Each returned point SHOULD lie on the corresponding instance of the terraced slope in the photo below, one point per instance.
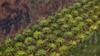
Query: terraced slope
(56, 35)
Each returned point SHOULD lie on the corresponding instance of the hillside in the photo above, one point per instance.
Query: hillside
(58, 34)
(16, 15)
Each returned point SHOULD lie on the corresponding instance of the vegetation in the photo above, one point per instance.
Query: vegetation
(57, 34)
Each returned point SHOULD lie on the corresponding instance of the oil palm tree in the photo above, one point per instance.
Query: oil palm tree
(73, 22)
(50, 37)
(69, 16)
(19, 37)
(93, 27)
(54, 26)
(89, 21)
(9, 51)
(21, 53)
(60, 41)
(9, 42)
(36, 27)
(27, 32)
(75, 30)
(78, 18)
(63, 49)
(41, 52)
(28, 40)
(51, 19)
(52, 46)
(65, 27)
(31, 49)
(82, 26)
(61, 21)
(43, 22)
(55, 54)
(37, 35)
(18, 46)
(81, 37)
(77, 5)
(72, 42)
(96, 8)
(46, 30)
(98, 23)
(64, 12)
(84, 15)
(95, 18)
(68, 34)
(74, 13)
(40, 42)
(58, 15)
(57, 32)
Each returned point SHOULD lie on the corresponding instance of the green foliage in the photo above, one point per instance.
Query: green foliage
(55, 54)
(55, 35)
(21, 53)
(44, 22)
(28, 40)
(31, 49)
(37, 35)
(19, 37)
(8, 42)
(52, 46)
(41, 52)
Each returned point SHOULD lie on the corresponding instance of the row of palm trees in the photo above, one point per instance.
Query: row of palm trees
(55, 35)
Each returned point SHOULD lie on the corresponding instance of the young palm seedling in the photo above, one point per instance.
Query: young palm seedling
(46, 30)
(37, 35)
(73, 43)
(65, 27)
(58, 15)
(21, 53)
(82, 26)
(89, 21)
(50, 37)
(19, 38)
(40, 42)
(54, 26)
(51, 46)
(78, 18)
(68, 35)
(55, 54)
(61, 21)
(9, 51)
(43, 22)
(19, 46)
(36, 27)
(9, 42)
(28, 40)
(27, 32)
(75, 13)
(81, 37)
(75, 30)
(51, 19)
(63, 49)
(31, 49)
(60, 41)
(94, 17)
(57, 32)
(41, 52)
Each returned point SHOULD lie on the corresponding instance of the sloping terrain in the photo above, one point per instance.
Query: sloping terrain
(57, 34)
(16, 15)
(13, 15)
